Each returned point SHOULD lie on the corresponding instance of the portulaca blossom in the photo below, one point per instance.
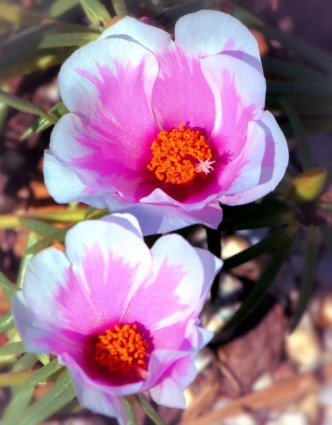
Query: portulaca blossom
(163, 129)
(123, 319)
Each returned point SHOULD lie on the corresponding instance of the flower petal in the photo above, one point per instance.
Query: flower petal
(154, 218)
(169, 392)
(99, 401)
(176, 266)
(274, 163)
(209, 32)
(65, 186)
(249, 84)
(152, 38)
(107, 261)
(87, 79)
(182, 94)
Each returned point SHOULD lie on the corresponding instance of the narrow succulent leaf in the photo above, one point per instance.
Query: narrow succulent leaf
(171, 14)
(96, 12)
(67, 40)
(32, 240)
(304, 150)
(21, 16)
(8, 288)
(25, 362)
(269, 243)
(119, 7)
(17, 407)
(11, 379)
(23, 105)
(12, 348)
(37, 226)
(130, 408)
(24, 64)
(320, 88)
(246, 17)
(59, 7)
(311, 53)
(41, 124)
(308, 275)
(267, 213)
(308, 105)
(311, 126)
(56, 398)
(58, 236)
(93, 213)
(6, 322)
(289, 70)
(149, 410)
(263, 284)
(214, 246)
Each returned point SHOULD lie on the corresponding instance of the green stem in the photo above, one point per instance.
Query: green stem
(149, 410)
(12, 221)
(129, 405)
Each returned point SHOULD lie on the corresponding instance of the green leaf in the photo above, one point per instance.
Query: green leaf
(96, 12)
(246, 17)
(58, 236)
(38, 226)
(6, 322)
(41, 124)
(12, 348)
(267, 244)
(20, 54)
(32, 239)
(267, 213)
(59, 7)
(263, 284)
(308, 105)
(95, 213)
(214, 246)
(25, 362)
(311, 53)
(171, 14)
(23, 105)
(55, 399)
(19, 16)
(304, 150)
(67, 40)
(119, 7)
(289, 70)
(150, 410)
(8, 288)
(311, 126)
(308, 276)
(17, 408)
(10, 379)
(321, 88)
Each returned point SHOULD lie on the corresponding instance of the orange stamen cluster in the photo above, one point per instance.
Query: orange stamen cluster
(177, 155)
(123, 349)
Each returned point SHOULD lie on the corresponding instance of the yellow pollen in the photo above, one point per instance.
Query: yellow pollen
(179, 155)
(123, 349)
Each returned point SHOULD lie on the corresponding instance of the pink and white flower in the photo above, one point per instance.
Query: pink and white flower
(163, 129)
(123, 319)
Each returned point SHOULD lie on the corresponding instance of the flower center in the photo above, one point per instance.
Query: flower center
(125, 349)
(179, 155)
